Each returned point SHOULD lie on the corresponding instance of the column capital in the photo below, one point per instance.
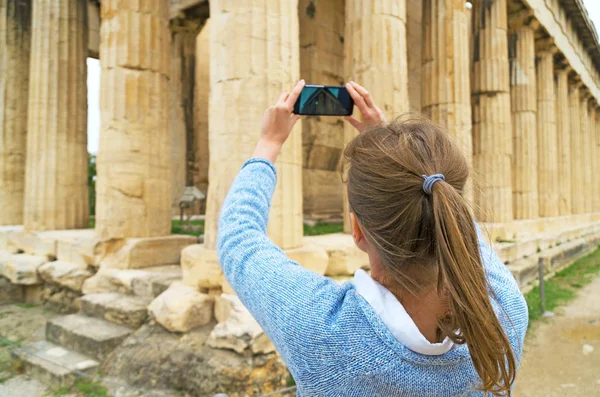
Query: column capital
(545, 45)
(522, 19)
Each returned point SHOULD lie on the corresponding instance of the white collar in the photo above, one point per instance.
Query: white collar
(395, 317)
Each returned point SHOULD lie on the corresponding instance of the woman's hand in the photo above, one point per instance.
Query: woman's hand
(371, 114)
(277, 124)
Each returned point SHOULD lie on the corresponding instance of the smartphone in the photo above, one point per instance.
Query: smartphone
(324, 100)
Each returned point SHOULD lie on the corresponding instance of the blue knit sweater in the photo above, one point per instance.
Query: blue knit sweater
(331, 339)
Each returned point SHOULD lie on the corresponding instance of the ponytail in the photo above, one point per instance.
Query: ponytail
(461, 274)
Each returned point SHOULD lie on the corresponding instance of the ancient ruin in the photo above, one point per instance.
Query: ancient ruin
(184, 85)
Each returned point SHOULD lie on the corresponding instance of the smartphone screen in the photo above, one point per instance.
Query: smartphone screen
(323, 100)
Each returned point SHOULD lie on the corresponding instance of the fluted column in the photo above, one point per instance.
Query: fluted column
(586, 170)
(182, 83)
(250, 67)
(577, 178)
(492, 129)
(596, 159)
(134, 187)
(15, 40)
(546, 133)
(524, 110)
(563, 132)
(56, 191)
(202, 88)
(446, 90)
(375, 48)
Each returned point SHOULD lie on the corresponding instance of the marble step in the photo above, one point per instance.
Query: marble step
(54, 365)
(87, 335)
(128, 310)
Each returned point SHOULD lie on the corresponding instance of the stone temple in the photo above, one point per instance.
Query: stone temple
(183, 88)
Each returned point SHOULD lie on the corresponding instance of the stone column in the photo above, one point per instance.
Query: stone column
(322, 62)
(15, 40)
(596, 158)
(564, 134)
(202, 88)
(546, 132)
(375, 48)
(134, 187)
(577, 178)
(492, 130)
(524, 110)
(586, 169)
(446, 94)
(56, 191)
(254, 58)
(182, 83)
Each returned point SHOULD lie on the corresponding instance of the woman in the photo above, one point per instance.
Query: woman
(439, 315)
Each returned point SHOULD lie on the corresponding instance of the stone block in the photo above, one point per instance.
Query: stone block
(22, 269)
(9, 292)
(54, 365)
(100, 282)
(181, 308)
(119, 309)
(24, 240)
(66, 274)
(33, 294)
(344, 256)
(201, 267)
(138, 253)
(90, 336)
(237, 330)
(311, 257)
(6, 243)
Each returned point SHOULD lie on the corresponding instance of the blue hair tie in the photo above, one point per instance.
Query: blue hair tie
(430, 181)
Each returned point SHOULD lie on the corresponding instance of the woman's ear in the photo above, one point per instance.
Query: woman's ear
(357, 234)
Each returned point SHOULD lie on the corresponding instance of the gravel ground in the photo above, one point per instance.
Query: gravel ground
(562, 354)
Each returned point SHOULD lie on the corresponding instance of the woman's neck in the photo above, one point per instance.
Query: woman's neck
(425, 308)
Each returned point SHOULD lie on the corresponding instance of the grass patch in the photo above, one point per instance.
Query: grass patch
(563, 287)
(198, 224)
(26, 305)
(323, 228)
(83, 387)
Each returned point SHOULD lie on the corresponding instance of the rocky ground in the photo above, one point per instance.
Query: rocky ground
(562, 354)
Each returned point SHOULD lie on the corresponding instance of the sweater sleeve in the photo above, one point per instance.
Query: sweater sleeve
(288, 301)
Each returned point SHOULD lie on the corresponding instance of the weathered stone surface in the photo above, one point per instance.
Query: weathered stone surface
(181, 308)
(10, 292)
(375, 49)
(60, 299)
(54, 365)
(147, 252)
(88, 335)
(563, 131)
(344, 256)
(237, 330)
(66, 274)
(201, 268)
(22, 269)
(15, 40)
(201, 93)
(547, 139)
(577, 199)
(117, 308)
(56, 190)
(154, 356)
(133, 187)
(492, 129)
(6, 243)
(414, 53)
(233, 32)
(311, 257)
(323, 192)
(100, 282)
(524, 115)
